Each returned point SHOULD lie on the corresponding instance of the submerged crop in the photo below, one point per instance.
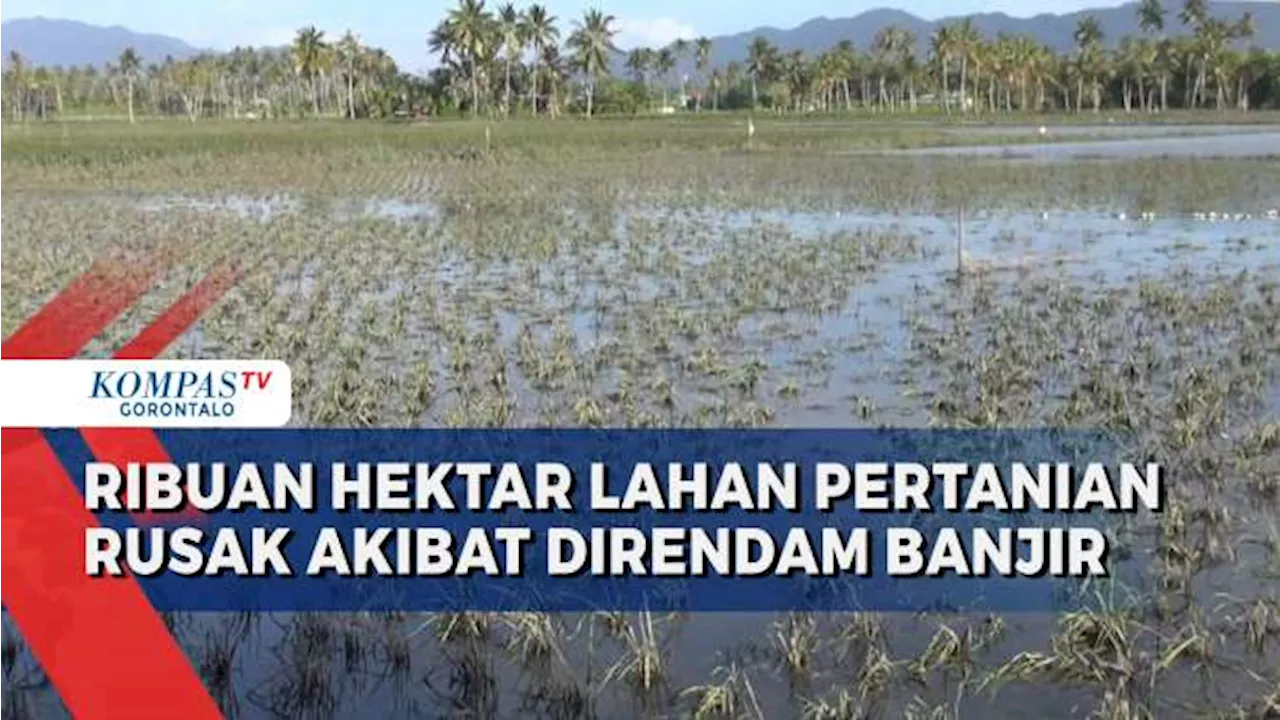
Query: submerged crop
(415, 277)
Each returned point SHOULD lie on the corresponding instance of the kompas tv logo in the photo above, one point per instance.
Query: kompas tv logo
(147, 393)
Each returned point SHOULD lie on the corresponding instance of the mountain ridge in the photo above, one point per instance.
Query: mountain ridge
(1055, 30)
(51, 41)
(45, 41)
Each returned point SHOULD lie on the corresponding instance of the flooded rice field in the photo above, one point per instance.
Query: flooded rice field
(1223, 144)
(1110, 129)
(708, 283)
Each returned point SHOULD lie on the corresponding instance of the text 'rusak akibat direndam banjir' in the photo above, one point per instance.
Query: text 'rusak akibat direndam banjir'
(599, 497)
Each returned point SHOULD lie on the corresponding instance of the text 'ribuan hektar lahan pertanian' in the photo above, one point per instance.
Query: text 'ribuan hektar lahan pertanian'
(604, 546)
(672, 487)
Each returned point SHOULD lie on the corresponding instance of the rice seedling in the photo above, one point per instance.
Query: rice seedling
(729, 695)
(795, 639)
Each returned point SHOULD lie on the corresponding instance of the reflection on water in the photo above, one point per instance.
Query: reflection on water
(849, 353)
(1112, 129)
(268, 207)
(1236, 145)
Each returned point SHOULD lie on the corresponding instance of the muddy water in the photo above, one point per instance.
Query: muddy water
(1223, 145)
(868, 331)
(1118, 129)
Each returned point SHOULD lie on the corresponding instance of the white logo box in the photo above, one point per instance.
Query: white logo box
(145, 393)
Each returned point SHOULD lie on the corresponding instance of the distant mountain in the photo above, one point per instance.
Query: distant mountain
(46, 41)
(1053, 30)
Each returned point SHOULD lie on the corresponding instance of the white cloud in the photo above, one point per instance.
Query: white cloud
(633, 32)
(223, 37)
(273, 37)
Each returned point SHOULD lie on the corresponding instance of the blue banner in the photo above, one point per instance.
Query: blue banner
(786, 523)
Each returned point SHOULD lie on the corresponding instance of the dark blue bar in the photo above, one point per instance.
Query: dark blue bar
(620, 450)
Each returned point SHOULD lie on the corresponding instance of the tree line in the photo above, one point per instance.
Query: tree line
(503, 61)
(310, 77)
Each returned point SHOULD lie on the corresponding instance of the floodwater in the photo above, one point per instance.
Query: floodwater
(853, 343)
(1112, 129)
(867, 332)
(838, 354)
(265, 208)
(1222, 145)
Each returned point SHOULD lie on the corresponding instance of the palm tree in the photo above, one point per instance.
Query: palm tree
(664, 61)
(1194, 12)
(188, 78)
(1210, 58)
(39, 83)
(941, 46)
(18, 73)
(1253, 68)
(443, 41)
(512, 40)
(1088, 37)
(910, 65)
(799, 78)
(733, 74)
(1225, 61)
(679, 49)
(1245, 29)
(825, 78)
(1167, 53)
(540, 31)
(1212, 41)
(1151, 15)
(1041, 66)
(58, 77)
(470, 29)
(308, 53)
(1131, 62)
(760, 60)
(1194, 15)
(638, 64)
(348, 50)
(557, 72)
(966, 43)
(592, 44)
(129, 64)
(889, 41)
(701, 59)
(845, 58)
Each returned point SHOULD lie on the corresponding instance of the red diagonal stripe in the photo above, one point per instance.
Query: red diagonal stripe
(105, 649)
(181, 315)
(120, 446)
(81, 311)
(103, 646)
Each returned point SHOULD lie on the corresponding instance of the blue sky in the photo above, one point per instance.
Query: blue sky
(400, 26)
